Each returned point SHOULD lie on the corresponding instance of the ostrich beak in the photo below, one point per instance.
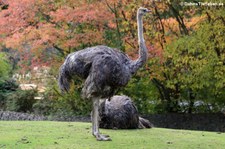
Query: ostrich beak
(148, 11)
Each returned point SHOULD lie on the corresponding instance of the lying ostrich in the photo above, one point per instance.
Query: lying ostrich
(120, 113)
(104, 69)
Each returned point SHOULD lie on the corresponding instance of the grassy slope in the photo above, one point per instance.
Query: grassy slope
(40, 135)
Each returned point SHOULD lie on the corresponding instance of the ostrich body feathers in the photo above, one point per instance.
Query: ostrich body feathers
(121, 113)
(105, 69)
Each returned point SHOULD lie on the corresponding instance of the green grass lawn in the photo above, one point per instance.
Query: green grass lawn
(76, 135)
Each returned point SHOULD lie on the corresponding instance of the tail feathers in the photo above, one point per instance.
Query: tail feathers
(63, 80)
(144, 123)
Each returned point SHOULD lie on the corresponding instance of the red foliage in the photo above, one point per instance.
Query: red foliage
(34, 25)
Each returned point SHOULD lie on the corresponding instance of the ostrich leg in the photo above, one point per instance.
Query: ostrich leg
(95, 123)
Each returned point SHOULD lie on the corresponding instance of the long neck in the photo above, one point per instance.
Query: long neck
(142, 47)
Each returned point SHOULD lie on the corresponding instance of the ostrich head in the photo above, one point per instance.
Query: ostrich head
(142, 11)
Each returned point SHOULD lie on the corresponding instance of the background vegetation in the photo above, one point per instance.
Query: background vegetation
(185, 72)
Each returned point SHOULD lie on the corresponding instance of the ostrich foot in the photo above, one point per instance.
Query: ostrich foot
(101, 137)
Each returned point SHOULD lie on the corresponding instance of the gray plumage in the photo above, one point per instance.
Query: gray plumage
(104, 70)
(120, 113)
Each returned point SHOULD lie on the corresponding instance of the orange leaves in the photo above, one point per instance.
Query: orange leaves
(20, 16)
(45, 34)
(93, 12)
(38, 23)
(14, 20)
(88, 38)
(16, 16)
(14, 40)
(64, 14)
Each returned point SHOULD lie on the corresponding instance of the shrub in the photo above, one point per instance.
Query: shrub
(63, 105)
(143, 92)
(6, 87)
(21, 100)
(43, 107)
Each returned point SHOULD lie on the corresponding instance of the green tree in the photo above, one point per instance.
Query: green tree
(4, 75)
(4, 67)
(195, 66)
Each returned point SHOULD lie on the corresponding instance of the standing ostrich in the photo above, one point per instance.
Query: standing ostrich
(104, 69)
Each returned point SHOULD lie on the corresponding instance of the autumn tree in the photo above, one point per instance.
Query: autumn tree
(32, 27)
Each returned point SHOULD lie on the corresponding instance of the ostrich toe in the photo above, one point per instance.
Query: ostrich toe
(101, 137)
